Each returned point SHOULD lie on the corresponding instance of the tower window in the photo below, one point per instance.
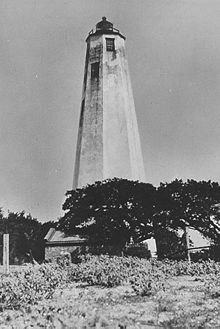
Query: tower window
(110, 44)
(95, 70)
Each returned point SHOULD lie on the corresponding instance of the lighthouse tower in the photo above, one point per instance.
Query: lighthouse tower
(108, 142)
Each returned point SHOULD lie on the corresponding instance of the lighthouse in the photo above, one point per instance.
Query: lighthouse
(108, 143)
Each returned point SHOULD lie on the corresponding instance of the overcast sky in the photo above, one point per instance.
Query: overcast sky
(173, 49)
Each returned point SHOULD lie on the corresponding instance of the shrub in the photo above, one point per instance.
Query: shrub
(101, 270)
(138, 250)
(142, 275)
(30, 285)
(35, 283)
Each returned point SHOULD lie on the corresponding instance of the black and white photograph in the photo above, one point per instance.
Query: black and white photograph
(110, 164)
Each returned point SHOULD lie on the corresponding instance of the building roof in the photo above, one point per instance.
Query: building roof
(57, 237)
(198, 239)
(105, 27)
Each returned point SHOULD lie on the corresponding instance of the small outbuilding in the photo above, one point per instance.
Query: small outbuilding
(58, 244)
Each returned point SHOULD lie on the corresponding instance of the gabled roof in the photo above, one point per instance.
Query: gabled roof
(57, 237)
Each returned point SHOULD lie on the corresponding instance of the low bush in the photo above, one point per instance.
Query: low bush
(146, 277)
(24, 295)
(103, 270)
(139, 250)
(30, 285)
(142, 275)
(176, 268)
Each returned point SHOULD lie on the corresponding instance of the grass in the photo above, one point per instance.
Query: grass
(183, 305)
(186, 301)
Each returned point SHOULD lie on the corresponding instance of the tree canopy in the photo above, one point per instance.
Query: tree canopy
(189, 203)
(116, 210)
(113, 211)
(110, 212)
(26, 236)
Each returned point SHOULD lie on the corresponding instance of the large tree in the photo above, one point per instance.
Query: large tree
(113, 211)
(110, 212)
(26, 236)
(190, 203)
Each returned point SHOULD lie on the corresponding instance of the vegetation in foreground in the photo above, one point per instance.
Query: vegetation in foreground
(113, 292)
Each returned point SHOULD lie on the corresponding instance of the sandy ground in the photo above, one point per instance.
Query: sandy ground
(184, 304)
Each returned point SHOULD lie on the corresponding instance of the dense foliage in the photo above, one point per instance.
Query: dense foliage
(27, 297)
(191, 203)
(110, 212)
(114, 211)
(32, 283)
(29, 285)
(26, 237)
(112, 271)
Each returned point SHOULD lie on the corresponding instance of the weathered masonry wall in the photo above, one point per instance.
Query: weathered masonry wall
(122, 150)
(89, 163)
(108, 143)
(53, 252)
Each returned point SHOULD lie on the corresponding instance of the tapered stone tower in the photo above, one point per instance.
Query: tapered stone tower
(108, 143)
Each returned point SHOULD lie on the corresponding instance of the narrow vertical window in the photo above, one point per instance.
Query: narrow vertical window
(95, 70)
(110, 44)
